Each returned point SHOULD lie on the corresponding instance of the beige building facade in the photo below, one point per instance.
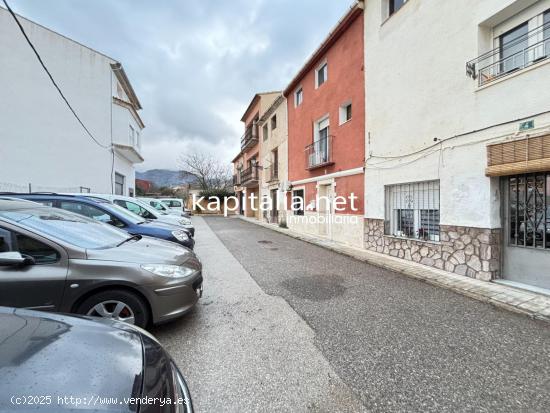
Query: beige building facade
(273, 126)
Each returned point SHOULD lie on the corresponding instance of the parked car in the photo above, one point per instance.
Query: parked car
(161, 206)
(51, 259)
(107, 212)
(145, 210)
(174, 203)
(106, 366)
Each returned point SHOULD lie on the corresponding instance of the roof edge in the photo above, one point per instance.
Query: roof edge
(125, 83)
(343, 24)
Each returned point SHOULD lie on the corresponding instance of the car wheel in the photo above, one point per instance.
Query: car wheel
(117, 305)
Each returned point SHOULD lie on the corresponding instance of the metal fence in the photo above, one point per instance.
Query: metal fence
(33, 187)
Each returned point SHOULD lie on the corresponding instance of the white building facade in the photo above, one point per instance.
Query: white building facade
(42, 145)
(458, 136)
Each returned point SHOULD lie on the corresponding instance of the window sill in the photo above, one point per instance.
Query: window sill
(343, 123)
(438, 243)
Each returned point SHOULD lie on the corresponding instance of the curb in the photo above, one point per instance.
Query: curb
(527, 303)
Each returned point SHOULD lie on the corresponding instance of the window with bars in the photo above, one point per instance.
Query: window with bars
(529, 210)
(412, 210)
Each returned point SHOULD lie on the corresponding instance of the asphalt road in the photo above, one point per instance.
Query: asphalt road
(398, 343)
(286, 325)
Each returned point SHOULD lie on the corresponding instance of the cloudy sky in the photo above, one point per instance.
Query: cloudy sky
(195, 64)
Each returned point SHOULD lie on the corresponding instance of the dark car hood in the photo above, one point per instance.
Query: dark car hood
(58, 355)
(147, 250)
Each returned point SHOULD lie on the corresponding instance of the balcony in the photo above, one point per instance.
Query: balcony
(250, 137)
(533, 47)
(249, 176)
(236, 180)
(319, 153)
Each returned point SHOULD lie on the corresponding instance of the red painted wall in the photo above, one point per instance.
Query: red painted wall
(351, 184)
(345, 82)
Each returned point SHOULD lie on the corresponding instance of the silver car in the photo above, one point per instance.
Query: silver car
(51, 259)
(145, 210)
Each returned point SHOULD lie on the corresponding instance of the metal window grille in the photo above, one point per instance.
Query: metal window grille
(412, 210)
(529, 210)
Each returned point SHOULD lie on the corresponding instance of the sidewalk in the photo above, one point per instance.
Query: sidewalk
(536, 306)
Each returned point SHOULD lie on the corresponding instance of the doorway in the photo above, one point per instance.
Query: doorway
(526, 234)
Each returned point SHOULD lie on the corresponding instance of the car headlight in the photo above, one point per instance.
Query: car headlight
(180, 235)
(185, 221)
(172, 271)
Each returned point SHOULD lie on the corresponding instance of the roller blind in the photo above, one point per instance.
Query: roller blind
(518, 157)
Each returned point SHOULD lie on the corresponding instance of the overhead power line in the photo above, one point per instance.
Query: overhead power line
(51, 77)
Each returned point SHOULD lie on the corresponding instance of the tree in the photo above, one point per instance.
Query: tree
(210, 173)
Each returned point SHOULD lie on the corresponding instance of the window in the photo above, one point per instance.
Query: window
(132, 135)
(512, 45)
(275, 164)
(274, 122)
(298, 202)
(119, 184)
(135, 208)
(396, 5)
(137, 142)
(321, 75)
(529, 210)
(298, 97)
(265, 132)
(412, 210)
(318, 153)
(345, 113)
(26, 246)
(87, 211)
(546, 21)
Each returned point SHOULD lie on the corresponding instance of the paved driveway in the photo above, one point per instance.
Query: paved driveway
(397, 343)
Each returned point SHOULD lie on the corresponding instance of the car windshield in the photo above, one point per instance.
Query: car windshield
(129, 216)
(67, 226)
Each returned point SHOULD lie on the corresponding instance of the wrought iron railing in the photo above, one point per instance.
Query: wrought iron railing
(236, 179)
(319, 153)
(491, 66)
(249, 174)
(250, 137)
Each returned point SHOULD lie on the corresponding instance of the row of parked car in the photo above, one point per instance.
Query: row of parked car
(121, 263)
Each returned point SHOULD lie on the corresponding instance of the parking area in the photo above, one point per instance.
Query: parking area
(288, 325)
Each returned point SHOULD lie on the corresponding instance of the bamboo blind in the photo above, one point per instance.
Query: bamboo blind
(518, 157)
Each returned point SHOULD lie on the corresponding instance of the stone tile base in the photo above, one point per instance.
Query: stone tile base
(474, 252)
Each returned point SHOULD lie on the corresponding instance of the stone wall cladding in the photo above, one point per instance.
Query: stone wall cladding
(473, 252)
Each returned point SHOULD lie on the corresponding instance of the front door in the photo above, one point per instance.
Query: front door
(324, 209)
(274, 207)
(39, 286)
(526, 249)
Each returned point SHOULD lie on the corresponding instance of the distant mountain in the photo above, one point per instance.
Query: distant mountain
(165, 177)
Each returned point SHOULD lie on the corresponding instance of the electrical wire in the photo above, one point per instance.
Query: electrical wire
(439, 141)
(51, 77)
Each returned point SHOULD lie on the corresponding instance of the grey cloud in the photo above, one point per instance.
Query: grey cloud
(195, 64)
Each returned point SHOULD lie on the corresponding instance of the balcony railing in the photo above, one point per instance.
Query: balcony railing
(250, 137)
(236, 180)
(491, 66)
(319, 153)
(249, 175)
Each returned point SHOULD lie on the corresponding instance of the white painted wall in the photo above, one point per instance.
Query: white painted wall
(40, 140)
(417, 90)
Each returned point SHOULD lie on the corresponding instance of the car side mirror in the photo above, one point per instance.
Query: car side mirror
(9, 259)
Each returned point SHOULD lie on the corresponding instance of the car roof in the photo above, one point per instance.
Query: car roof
(13, 204)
